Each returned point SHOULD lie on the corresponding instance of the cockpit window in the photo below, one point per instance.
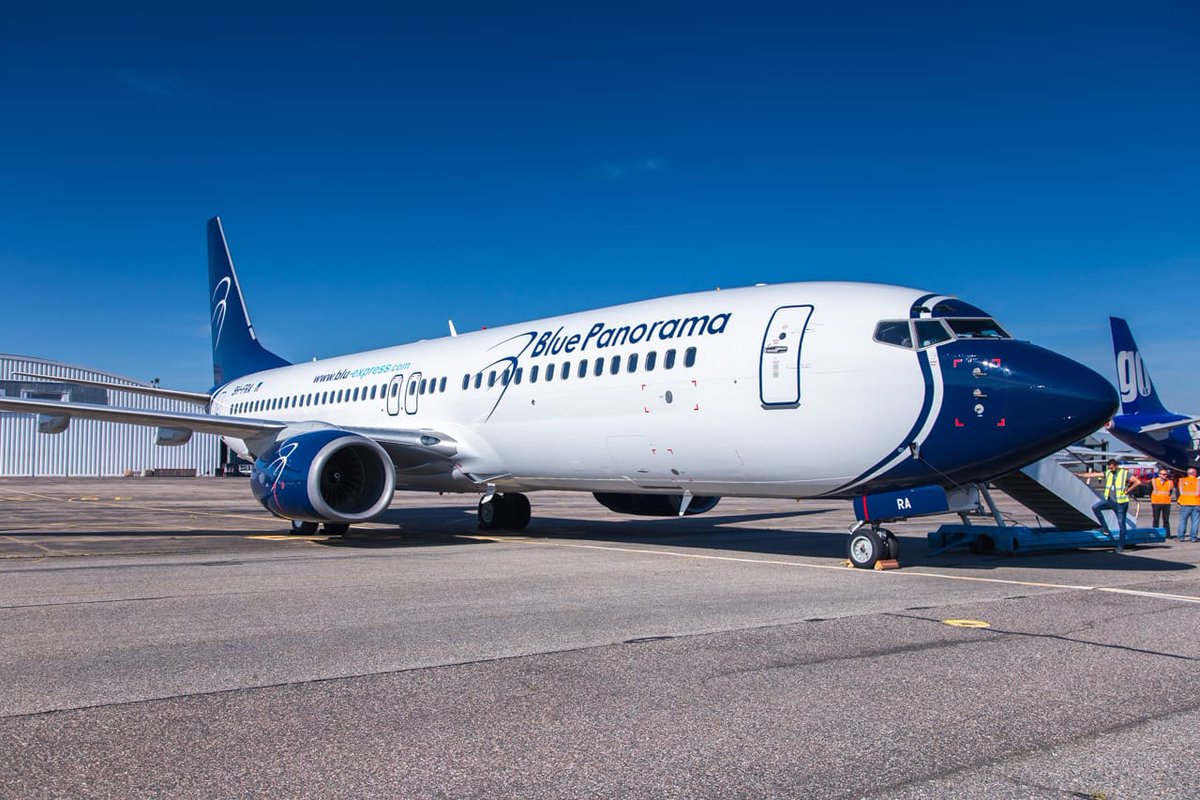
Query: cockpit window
(931, 332)
(894, 332)
(978, 328)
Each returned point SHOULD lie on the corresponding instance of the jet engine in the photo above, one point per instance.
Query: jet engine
(324, 476)
(653, 505)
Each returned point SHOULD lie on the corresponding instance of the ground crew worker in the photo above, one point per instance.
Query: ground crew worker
(1117, 486)
(1189, 506)
(1161, 489)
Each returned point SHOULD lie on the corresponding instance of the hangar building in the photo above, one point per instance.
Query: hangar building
(91, 447)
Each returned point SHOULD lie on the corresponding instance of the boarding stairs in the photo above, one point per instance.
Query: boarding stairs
(1058, 497)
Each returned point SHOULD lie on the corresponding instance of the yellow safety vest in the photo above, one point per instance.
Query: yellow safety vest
(1114, 485)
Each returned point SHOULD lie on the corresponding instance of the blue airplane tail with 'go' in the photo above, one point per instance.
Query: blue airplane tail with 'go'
(236, 350)
(1138, 395)
(1144, 422)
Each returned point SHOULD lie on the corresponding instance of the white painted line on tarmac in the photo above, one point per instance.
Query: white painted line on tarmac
(898, 573)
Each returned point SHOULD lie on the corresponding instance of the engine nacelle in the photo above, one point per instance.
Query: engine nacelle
(653, 505)
(324, 476)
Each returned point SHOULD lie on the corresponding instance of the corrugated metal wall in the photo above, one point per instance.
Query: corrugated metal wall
(89, 447)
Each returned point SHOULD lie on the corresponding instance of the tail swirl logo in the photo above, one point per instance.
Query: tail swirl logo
(219, 306)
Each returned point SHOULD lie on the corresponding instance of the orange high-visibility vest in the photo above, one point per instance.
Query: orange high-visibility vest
(1161, 490)
(1189, 491)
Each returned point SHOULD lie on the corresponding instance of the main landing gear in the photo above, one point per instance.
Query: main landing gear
(871, 544)
(504, 512)
(302, 527)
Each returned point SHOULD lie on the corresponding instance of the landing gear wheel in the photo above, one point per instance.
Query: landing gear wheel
(891, 545)
(493, 513)
(302, 527)
(518, 511)
(337, 528)
(866, 547)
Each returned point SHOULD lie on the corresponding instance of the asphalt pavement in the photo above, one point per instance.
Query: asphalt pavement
(166, 638)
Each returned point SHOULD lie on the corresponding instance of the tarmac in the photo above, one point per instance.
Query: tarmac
(167, 638)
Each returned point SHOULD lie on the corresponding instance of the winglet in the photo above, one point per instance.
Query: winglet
(1138, 395)
(236, 350)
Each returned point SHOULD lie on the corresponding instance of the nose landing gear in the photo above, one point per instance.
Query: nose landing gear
(869, 545)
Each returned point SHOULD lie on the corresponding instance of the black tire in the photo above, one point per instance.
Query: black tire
(518, 511)
(302, 527)
(493, 513)
(337, 528)
(865, 548)
(891, 545)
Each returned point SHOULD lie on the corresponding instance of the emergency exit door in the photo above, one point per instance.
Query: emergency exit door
(779, 361)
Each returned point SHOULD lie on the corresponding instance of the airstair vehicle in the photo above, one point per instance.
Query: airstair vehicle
(1052, 492)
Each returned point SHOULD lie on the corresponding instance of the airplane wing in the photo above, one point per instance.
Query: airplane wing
(1163, 426)
(241, 427)
(409, 448)
(199, 398)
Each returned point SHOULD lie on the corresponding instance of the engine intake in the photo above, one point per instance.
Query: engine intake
(653, 505)
(324, 476)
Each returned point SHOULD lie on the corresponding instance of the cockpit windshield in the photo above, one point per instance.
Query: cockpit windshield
(918, 334)
(977, 328)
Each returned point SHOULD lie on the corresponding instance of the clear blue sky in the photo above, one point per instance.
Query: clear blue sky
(380, 171)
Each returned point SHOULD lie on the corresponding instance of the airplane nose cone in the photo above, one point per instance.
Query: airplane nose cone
(1057, 398)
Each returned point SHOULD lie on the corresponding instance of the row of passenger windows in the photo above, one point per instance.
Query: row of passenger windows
(563, 371)
(357, 395)
(581, 368)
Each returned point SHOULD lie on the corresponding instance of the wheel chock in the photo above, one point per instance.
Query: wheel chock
(887, 563)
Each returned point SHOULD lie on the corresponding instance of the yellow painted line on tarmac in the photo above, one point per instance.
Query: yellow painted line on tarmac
(967, 623)
(284, 537)
(893, 572)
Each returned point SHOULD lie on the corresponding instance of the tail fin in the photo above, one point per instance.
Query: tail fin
(236, 351)
(1138, 395)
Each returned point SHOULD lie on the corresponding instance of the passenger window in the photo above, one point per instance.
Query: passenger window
(894, 332)
(520, 374)
(689, 357)
(442, 385)
(478, 379)
(339, 395)
(632, 366)
(506, 377)
(466, 382)
(599, 369)
(412, 388)
(669, 360)
(651, 357)
(931, 332)
(549, 372)
(356, 394)
(583, 366)
(566, 370)
(424, 385)
(614, 365)
(533, 373)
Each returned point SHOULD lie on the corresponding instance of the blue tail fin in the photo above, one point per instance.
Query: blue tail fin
(236, 351)
(1138, 395)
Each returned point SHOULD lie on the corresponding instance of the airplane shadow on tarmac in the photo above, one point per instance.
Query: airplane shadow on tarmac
(735, 533)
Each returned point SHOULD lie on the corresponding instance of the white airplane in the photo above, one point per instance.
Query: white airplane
(660, 407)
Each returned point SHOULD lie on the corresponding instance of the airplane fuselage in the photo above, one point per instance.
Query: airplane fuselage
(790, 390)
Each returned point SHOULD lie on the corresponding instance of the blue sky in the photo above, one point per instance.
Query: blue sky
(380, 171)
